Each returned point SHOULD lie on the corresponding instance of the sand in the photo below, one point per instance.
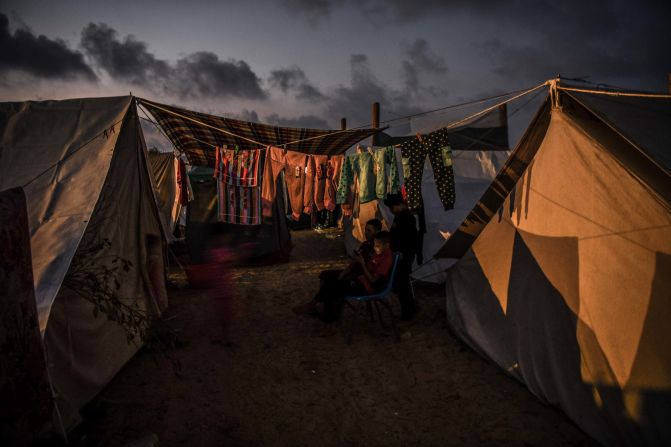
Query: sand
(255, 374)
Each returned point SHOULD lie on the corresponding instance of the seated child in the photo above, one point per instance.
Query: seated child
(353, 270)
(327, 303)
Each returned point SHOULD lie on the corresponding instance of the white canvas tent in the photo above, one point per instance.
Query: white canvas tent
(164, 167)
(565, 278)
(92, 217)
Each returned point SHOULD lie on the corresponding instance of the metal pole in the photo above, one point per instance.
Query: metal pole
(375, 120)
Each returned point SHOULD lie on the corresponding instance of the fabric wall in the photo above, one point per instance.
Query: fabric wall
(163, 168)
(59, 151)
(567, 287)
(85, 349)
(26, 413)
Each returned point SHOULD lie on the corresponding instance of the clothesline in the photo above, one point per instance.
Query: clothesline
(103, 132)
(607, 93)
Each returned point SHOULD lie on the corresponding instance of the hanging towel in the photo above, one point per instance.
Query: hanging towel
(239, 168)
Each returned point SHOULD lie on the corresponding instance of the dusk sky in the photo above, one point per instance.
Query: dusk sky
(311, 62)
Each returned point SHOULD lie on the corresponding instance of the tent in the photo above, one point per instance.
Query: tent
(479, 150)
(196, 135)
(164, 170)
(95, 233)
(564, 268)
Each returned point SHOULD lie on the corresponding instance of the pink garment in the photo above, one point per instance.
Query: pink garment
(309, 185)
(322, 165)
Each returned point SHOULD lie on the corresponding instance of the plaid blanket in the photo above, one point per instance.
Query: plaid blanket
(196, 134)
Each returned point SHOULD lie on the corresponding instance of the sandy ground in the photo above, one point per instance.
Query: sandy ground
(255, 374)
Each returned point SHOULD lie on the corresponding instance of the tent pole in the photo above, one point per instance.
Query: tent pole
(375, 119)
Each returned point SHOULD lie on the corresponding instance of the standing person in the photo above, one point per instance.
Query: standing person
(404, 238)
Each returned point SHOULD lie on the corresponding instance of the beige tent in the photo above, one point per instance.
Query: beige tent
(164, 167)
(94, 228)
(565, 279)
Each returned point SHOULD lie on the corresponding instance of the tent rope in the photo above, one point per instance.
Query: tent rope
(607, 93)
(105, 132)
(495, 106)
(144, 101)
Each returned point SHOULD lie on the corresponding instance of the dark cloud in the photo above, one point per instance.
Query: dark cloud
(309, 121)
(294, 79)
(313, 10)
(420, 59)
(354, 101)
(605, 40)
(201, 74)
(126, 60)
(39, 55)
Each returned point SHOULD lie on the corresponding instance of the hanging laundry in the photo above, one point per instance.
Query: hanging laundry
(437, 146)
(322, 165)
(240, 205)
(309, 184)
(332, 180)
(239, 197)
(361, 166)
(183, 183)
(386, 172)
(240, 167)
(295, 167)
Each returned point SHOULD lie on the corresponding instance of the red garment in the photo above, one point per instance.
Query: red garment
(332, 179)
(182, 182)
(380, 266)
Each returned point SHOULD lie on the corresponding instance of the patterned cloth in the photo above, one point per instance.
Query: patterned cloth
(414, 152)
(239, 168)
(386, 172)
(239, 197)
(195, 134)
(362, 167)
(239, 205)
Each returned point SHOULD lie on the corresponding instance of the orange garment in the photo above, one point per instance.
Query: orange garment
(294, 165)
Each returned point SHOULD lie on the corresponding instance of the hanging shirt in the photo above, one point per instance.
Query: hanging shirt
(297, 169)
(362, 167)
(386, 172)
(414, 152)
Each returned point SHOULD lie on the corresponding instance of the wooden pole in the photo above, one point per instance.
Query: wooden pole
(343, 123)
(503, 115)
(375, 120)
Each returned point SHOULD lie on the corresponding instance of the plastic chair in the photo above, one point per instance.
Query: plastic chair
(381, 297)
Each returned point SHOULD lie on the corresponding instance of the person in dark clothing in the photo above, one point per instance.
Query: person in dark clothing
(404, 238)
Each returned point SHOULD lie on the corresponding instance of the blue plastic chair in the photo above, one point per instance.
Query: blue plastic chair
(381, 297)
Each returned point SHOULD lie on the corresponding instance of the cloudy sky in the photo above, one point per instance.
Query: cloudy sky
(311, 62)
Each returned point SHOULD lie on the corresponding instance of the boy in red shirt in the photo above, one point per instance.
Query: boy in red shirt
(328, 302)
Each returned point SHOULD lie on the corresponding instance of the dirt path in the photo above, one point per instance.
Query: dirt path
(255, 374)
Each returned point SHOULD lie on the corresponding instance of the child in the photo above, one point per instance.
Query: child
(328, 302)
